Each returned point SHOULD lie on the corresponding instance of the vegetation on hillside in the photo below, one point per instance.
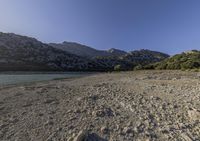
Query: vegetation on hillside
(21, 53)
(184, 61)
(126, 62)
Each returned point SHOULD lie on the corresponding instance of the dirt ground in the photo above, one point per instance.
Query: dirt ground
(124, 106)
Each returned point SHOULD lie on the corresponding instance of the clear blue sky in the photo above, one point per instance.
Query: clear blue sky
(170, 26)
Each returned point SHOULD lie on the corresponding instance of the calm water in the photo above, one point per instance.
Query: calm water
(26, 77)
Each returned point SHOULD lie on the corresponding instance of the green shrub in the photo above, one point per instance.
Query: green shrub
(138, 67)
(185, 61)
(117, 68)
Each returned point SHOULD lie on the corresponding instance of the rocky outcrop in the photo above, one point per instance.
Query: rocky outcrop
(116, 52)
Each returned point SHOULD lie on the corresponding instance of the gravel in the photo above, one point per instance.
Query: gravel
(141, 105)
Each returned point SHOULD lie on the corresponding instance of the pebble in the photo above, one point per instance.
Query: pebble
(127, 130)
(104, 130)
(82, 135)
(194, 114)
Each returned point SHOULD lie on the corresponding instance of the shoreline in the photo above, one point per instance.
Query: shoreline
(23, 84)
(72, 75)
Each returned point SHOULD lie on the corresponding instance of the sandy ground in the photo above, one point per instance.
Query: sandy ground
(141, 106)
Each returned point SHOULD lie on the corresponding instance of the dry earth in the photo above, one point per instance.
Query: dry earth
(141, 106)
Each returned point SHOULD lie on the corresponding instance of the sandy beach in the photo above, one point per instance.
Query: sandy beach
(140, 105)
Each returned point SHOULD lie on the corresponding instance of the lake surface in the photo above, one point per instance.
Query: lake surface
(27, 77)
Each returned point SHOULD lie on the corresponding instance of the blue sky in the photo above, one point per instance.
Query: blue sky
(169, 26)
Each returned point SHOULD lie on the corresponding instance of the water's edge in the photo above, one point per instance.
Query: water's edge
(14, 78)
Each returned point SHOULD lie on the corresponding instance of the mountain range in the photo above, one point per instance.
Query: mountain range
(86, 51)
(22, 53)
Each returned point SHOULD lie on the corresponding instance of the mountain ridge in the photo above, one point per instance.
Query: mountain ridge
(26, 53)
(86, 51)
(23, 52)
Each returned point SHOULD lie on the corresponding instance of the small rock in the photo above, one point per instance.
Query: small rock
(194, 114)
(103, 112)
(144, 139)
(135, 129)
(79, 98)
(186, 137)
(130, 123)
(104, 130)
(22, 88)
(47, 101)
(77, 111)
(70, 139)
(49, 122)
(69, 111)
(40, 114)
(59, 129)
(99, 113)
(127, 130)
(82, 135)
(117, 127)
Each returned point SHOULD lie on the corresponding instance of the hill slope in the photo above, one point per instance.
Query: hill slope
(78, 49)
(130, 60)
(185, 60)
(86, 51)
(21, 53)
(116, 52)
(25, 53)
(144, 56)
(109, 59)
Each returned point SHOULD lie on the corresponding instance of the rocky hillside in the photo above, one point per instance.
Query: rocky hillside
(25, 53)
(21, 53)
(144, 56)
(135, 59)
(184, 61)
(78, 49)
(86, 51)
(112, 59)
(116, 52)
